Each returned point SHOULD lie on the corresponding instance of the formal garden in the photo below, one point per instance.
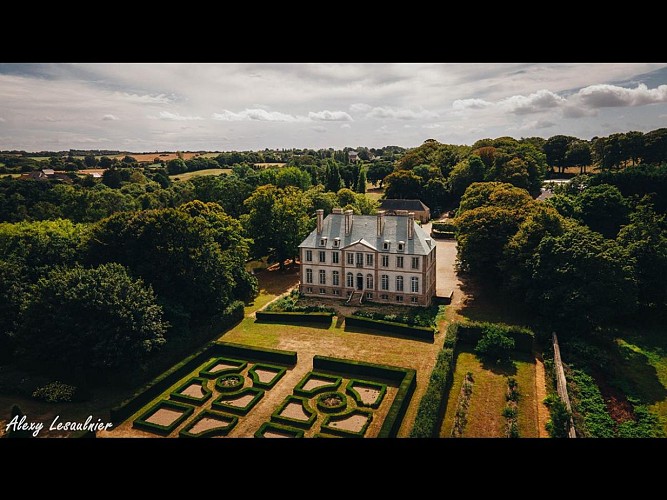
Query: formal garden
(237, 391)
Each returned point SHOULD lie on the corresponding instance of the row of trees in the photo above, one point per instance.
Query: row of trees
(552, 257)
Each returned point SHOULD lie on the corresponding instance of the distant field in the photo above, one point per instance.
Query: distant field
(162, 156)
(267, 165)
(372, 192)
(198, 173)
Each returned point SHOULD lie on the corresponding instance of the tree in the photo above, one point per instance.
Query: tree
(176, 166)
(105, 162)
(465, 173)
(402, 184)
(482, 234)
(436, 195)
(581, 280)
(495, 345)
(112, 178)
(645, 239)
(498, 194)
(128, 160)
(555, 150)
(632, 145)
(603, 209)
(558, 425)
(91, 319)
(361, 181)
(579, 155)
(345, 197)
(90, 161)
(333, 180)
(377, 171)
(277, 220)
(655, 146)
(293, 176)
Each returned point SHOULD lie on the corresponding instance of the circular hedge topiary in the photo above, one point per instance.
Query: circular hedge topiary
(331, 402)
(230, 383)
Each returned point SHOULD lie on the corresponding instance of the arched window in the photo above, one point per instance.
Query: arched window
(399, 283)
(350, 280)
(369, 281)
(385, 282)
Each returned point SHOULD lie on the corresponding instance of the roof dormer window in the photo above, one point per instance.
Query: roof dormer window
(386, 245)
(336, 242)
(401, 245)
(323, 242)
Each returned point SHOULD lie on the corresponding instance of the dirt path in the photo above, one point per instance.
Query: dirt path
(542, 412)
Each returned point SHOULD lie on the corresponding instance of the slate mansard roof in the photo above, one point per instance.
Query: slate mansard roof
(364, 227)
(410, 205)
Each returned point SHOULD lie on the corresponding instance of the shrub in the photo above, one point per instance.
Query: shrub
(289, 302)
(56, 392)
(430, 406)
(558, 425)
(587, 403)
(495, 344)
(416, 316)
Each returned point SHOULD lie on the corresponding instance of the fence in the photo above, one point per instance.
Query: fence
(561, 384)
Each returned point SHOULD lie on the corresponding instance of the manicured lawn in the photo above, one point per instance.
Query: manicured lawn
(488, 396)
(198, 173)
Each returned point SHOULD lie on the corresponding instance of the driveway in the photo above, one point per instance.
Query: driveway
(446, 278)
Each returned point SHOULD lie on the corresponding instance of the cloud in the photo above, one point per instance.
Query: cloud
(385, 112)
(330, 116)
(432, 125)
(2, 119)
(360, 107)
(471, 104)
(533, 103)
(544, 124)
(320, 129)
(257, 114)
(610, 96)
(144, 99)
(574, 111)
(110, 118)
(168, 115)
(346, 125)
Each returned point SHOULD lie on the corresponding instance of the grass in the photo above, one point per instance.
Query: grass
(198, 173)
(644, 366)
(485, 417)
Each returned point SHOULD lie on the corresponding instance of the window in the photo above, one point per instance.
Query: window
(414, 284)
(309, 255)
(323, 291)
(350, 280)
(399, 261)
(309, 275)
(360, 259)
(336, 278)
(399, 298)
(369, 259)
(399, 283)
(335, 291)
(369, 295)
(323, 242)
(401, 244)
(385, 261)
(414, 300)
(369, 281)
(386, 245)
(336, 242)
(415, 262)
(385, 282)
(323, 277)
(384, 297)
(323, 256)
(309, 289)
(350, 258)
(335, 256)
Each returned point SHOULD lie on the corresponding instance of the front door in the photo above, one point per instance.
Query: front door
(360, 282)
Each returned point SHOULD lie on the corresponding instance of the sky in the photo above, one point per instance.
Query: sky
(221, 107)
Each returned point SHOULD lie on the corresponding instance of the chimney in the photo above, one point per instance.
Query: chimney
(320, 219)
(411, 225)
(337, 210)
(348, 222)
(380, 223)
(401, 213)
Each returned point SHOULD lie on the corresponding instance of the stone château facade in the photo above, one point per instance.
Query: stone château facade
(385, 259)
